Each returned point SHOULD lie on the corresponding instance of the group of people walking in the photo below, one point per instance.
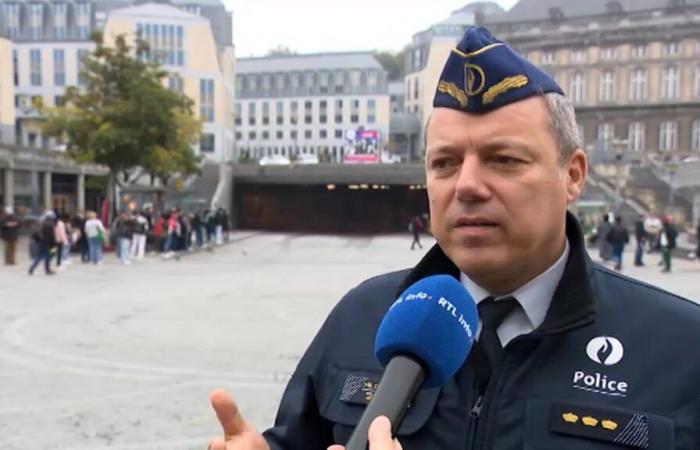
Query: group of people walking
(651, 234)
(131, 234)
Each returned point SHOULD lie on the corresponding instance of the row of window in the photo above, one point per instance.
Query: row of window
(293, 135)
(165, 43)
(324, 81)
(11, 15)
(639, 51)
(294, 114)
(59, 67)
(668, 135)
(670, 84)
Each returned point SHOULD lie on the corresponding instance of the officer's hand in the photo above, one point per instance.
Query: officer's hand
(238, 434)
(379, 436)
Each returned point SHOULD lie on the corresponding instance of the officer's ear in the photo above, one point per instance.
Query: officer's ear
(576, 168)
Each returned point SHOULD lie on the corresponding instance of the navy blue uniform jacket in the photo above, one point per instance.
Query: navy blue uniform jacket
(615, 365)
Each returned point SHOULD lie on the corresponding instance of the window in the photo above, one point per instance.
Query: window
(165, 43)
(11, 12)
(308, 108)
(295, 80)
(323, 134)
(355, 78)
(293, 134)
(206, 100)
(339, 81)
(82, 19)
(578, 87)
(36, 20)
(672, 49)
(372, 78)
(59, 100)
(308, 134)
(338, 111)
(252, 136)
(310, 80)
(338, 134)
(193, 9)
(638, 84)
(175, 83)
(266, 135)
(293, 112)
(59, 67)
(207, 143)
(608, 53)
(578, 56)
(60, 20)
(639, 51)
(323, 81)
(279, 112)
(670, 83)
(636, 136)
(15, 66)
(237, 113)
(266, 113)
(371, 111)
(239, 135)
(251, 113)
(607, 86)
(695, 136)
(35, 66)
(280, 135)
(668, 136)
(606, 132)
(696, 88)
(549, 57)
(82, 78)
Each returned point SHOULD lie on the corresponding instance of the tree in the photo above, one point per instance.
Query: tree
(281, 50)
(393, 63)
(125, 118)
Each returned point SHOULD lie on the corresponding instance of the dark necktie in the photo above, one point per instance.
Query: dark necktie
(492, 313)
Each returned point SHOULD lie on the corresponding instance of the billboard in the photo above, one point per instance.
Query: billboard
(362, 146)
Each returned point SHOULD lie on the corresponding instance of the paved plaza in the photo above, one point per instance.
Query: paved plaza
(124, 357)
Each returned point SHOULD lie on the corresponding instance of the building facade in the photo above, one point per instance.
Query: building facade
(632, 70)
(7, 93)
(425, 56)
(50, 39)
(318, 105)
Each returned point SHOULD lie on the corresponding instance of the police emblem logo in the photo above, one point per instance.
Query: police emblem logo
(474, 79)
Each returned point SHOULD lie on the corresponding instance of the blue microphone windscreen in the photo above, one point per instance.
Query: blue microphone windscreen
(435, 321)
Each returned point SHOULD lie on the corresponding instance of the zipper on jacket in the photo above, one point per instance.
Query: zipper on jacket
(475, 412)
(473, 416)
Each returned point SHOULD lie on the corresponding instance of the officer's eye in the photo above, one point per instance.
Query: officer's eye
(442, 163)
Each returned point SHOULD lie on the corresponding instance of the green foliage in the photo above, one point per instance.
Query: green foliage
(281, 50)
(124, 117)
(393, 63)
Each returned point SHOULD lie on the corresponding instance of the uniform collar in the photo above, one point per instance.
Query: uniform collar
(573, 301)
(535, 296)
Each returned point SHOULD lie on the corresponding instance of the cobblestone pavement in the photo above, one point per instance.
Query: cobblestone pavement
(123, 357)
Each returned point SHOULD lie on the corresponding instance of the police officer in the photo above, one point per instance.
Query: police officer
(570, 355)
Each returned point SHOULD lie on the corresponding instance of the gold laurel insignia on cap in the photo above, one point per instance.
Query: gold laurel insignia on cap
(504, 86)
(609, 425)
(570, 417)
(453, 91)
(590, 421)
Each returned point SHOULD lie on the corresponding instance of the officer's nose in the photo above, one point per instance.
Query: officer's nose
(470, 187)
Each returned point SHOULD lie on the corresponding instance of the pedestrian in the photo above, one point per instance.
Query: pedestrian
(640, 236)
(122, 233)
(618, 237)
(568, 355)
(138, 242)
(415, 226)
(44, 236)
(61, 241)
(96, 235)
(81, 241)
(198, 226)
(667, 242)
(9, 231)
(220, 219)
(604, 249)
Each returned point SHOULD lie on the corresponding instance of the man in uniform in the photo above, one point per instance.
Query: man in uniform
(570, 356)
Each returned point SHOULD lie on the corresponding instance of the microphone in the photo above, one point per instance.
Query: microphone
(422, 341)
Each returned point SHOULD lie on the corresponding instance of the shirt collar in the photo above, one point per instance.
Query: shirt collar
(535, 296)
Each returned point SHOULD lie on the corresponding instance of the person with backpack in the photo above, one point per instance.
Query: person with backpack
(44, 237)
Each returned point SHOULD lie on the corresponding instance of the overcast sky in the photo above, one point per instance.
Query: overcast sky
(309, 26)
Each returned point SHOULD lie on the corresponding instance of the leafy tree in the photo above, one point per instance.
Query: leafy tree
(124, 117)
(281, 50)
(393, 63)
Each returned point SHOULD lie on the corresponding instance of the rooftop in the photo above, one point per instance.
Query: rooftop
(526, 10)
(174, 2)
(318, 61)
(156, 10)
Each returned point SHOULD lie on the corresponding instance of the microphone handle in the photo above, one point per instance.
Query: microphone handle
(400, 383)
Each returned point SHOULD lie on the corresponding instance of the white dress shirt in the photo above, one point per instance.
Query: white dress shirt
(534, 299)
